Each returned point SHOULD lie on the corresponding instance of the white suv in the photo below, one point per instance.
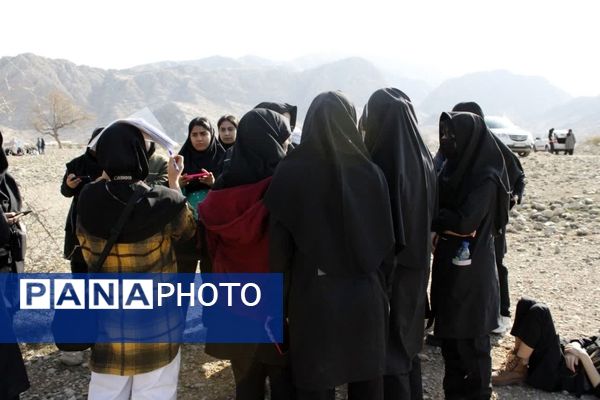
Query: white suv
(559, 143)
(517, 139)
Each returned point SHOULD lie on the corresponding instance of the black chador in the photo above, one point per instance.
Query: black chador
(516, 177)
(393, 139)
(331, 230)
(473, 200)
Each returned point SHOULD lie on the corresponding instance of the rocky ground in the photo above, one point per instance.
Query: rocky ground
(553, 255)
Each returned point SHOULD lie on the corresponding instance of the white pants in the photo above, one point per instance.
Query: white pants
(160, 384)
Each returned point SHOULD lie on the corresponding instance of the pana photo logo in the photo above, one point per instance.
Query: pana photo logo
(134, 294)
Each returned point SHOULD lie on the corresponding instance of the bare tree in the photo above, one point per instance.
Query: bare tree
(57, 113)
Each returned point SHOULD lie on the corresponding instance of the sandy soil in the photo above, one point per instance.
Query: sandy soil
(553, 256)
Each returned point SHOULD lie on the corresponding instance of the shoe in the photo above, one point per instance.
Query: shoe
(504, 325)
(512, 372)
(463, 255)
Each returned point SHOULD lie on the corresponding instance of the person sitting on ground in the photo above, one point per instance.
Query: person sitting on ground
(542, 360)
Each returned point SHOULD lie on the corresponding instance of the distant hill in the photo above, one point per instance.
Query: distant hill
(175, 91)
(582, 114)
(524, 99)
(213, 86)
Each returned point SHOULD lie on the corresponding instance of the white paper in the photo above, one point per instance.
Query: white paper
(151, 130)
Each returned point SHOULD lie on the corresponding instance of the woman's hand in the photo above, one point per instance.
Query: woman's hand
(434, 241)
(575, 349)
(572, 361)
(73, 181)
(208, 180)
(12, 217)
(174, 170)
(103, 177)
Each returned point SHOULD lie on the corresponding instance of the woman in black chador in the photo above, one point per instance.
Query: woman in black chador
(287, 110)
(331, 231)
(13, 376)
(516, 178)
(473, 201)
(393, 139)
(80, 171)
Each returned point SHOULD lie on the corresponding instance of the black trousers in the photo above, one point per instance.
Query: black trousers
(404, 386)
(500, 247)
(364, 390)
(250, 376)
(468, 368)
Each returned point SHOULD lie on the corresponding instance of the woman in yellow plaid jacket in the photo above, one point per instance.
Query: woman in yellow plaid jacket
(145, 245)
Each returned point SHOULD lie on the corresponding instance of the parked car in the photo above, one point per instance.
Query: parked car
(517, 139)
(541, 144)
(561, 136)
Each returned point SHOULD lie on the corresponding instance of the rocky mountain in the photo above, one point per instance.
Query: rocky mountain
(179, 91)
(174, 91)
(524, 99)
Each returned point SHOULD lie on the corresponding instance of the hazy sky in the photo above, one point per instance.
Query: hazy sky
(555, 39)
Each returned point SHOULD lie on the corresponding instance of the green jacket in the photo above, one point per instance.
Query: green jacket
(157, 171)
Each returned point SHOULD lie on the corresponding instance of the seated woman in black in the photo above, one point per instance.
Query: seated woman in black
(543, 361)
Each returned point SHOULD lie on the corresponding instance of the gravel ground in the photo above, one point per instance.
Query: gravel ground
(553, 255)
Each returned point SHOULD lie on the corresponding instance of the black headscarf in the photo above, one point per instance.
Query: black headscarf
(281, 108)
(478, 159)
(330, 196)
(393, 139)
(210, 159)
(258, 148)
(121, 151)
(514, 168)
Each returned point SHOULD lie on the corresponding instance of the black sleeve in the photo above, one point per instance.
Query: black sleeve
(4, 230)
(281, 247)
(597, 391)
(467, 218)
(586, 341)
(388, 269)
(65, 190)
(281, 254)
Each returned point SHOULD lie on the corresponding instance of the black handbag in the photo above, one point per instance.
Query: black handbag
(65, 320)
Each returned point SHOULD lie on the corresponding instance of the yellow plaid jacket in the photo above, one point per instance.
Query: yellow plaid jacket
(154, 254)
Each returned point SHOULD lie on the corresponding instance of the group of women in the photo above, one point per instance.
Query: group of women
(347, 216)
(347, 219)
